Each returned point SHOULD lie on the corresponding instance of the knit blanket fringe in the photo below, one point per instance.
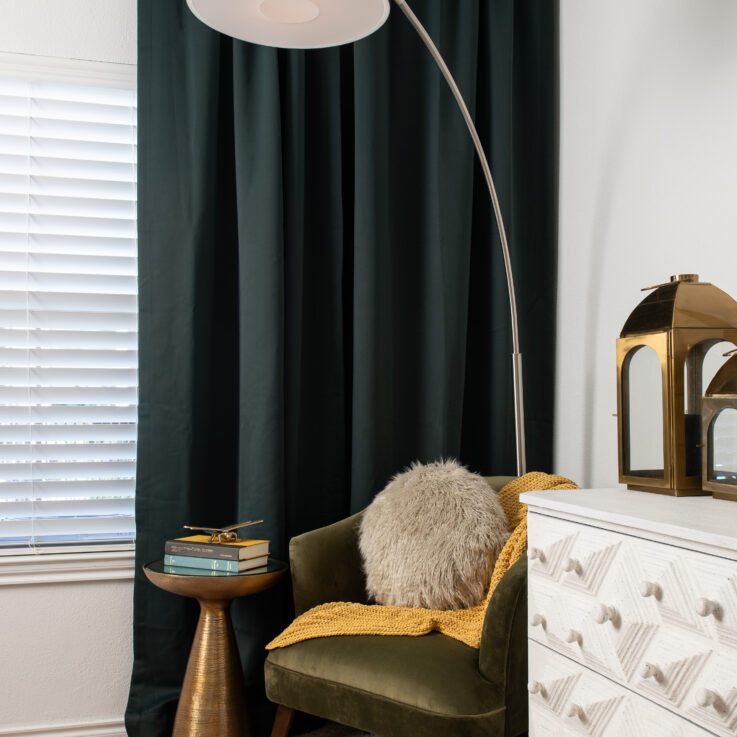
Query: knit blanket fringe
(347, 618)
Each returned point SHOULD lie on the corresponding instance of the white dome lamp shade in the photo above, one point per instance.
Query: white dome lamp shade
(293, 24)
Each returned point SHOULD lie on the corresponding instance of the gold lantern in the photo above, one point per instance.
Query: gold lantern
(719, 413)
(660, 356)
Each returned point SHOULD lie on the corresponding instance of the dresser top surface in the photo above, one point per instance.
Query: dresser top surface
(697, 520)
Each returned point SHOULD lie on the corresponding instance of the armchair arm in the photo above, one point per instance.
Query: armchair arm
(503, 652)
(326, 565)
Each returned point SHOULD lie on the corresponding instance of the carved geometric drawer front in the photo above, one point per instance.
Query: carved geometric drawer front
(658, 619)
(569, 699)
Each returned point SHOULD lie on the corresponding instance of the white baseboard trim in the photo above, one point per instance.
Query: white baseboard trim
(106, 728)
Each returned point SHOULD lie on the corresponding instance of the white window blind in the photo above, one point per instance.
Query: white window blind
(68, 312)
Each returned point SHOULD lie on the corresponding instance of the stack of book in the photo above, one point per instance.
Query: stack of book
(183, 554)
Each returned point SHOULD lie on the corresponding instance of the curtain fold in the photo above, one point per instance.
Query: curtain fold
(322, 295)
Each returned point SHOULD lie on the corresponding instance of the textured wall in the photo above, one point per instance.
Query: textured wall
(648, 182)
(68, 646)
(97, 30)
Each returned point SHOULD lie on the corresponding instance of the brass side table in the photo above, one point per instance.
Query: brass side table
(213, 698)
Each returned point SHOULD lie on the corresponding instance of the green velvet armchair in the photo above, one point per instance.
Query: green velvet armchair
(429, 686)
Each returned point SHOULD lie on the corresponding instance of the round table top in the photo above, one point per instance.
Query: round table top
(206, 584)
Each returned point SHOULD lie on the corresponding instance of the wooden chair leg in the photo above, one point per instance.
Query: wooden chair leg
(282, 721)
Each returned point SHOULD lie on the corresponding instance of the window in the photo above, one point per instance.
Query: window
(68, 312)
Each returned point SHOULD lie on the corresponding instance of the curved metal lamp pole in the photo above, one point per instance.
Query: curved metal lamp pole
(304, 24)
(519, 405)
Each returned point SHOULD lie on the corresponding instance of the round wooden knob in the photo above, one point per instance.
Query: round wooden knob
(571, 565)
(575, 710)
(538, 621)
(536, 554)
(648, 588)
(604, 613)
(705, 698)
(705, 607)
(651, 671)
(574, 636)
(536, 687)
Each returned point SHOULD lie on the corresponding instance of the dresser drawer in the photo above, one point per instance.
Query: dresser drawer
(656, 618)
(569, 699)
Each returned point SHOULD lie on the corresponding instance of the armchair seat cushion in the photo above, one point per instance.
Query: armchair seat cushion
(387, 684)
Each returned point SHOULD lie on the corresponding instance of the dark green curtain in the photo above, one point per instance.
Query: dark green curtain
(322, 297)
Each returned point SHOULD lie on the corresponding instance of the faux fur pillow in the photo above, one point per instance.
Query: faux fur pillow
(431, 538)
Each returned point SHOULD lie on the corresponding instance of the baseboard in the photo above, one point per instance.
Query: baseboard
(106, 728)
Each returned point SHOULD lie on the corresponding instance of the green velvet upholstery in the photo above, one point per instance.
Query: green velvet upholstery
(326, 565)
(430, 686)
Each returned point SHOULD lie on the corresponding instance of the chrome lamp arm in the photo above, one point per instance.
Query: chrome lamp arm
(519, 409)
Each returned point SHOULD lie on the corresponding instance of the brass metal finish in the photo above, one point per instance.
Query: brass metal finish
(224, 534)
(724, 383)
(680, 321)
(213, 699)
(721, 395)
(682, 304)
(685, 277)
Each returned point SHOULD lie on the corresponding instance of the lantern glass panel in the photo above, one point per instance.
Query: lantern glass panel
(713, 361)
(644, 426)
(724, 447)
(702, 363)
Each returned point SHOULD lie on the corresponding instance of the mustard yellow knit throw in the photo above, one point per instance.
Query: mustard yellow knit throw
(345, 618)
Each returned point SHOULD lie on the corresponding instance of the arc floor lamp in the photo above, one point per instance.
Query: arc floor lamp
(308, 24)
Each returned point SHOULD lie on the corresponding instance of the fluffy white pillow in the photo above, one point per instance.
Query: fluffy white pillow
(431, 538)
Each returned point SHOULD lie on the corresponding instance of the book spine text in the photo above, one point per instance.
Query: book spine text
(212, 564)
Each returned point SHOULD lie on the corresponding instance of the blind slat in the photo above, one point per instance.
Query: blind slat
(73, 377)
(66, 395)
(54, 224)
(68, 452)
(67, 283)
(81, 471)
(61, 302)
(38, 243)
(68, 358)
(68, 433)
(65, 263)
(55, 490)
(39, 184)
(68, 414)
(89, 339)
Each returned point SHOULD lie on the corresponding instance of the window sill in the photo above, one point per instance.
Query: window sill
(91, 563)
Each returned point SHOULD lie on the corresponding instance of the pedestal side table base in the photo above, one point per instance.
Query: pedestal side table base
(213, 701)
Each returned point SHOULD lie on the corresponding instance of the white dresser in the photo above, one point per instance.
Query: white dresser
(632, 614)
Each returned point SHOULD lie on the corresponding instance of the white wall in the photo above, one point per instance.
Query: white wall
(66, 647)
(648, 188)
(96, 30)
(67, 650)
